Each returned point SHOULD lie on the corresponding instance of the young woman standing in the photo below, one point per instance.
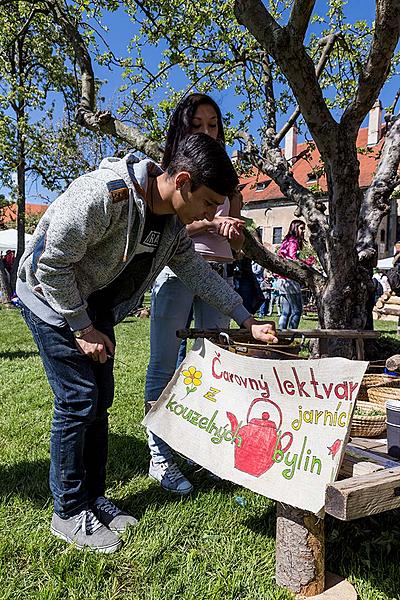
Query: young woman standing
(289, 290)
(172, 300)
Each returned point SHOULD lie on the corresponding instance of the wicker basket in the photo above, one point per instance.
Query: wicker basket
(372, 381)
(368, 425)
(381, 394)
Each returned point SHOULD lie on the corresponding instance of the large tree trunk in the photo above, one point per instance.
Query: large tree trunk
(21, 209)
(5, 288)
(21, 200)
(342, 304)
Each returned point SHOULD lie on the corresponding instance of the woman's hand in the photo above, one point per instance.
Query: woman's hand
(231, 229)
(264, 331)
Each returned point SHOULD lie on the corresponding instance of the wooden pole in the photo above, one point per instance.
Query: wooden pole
(242, 335)
(300, 551)
(390, 309)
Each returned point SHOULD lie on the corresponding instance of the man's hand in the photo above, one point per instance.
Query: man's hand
(264, 331)
(96, 345)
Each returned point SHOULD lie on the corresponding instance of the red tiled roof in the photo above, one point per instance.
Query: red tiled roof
(302, 168)
(10, 212)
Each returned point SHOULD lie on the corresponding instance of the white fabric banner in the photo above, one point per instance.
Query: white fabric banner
(276, 427)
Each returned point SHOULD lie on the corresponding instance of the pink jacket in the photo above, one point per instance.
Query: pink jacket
(290, 248)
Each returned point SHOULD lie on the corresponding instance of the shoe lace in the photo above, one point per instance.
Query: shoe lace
(172, 472)
(105, 505)
(87, 522)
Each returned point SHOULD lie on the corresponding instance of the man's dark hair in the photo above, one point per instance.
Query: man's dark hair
(207, 162)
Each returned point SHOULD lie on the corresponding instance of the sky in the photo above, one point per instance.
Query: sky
(120, 31)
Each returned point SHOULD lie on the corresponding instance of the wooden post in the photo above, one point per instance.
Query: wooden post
(300, 551)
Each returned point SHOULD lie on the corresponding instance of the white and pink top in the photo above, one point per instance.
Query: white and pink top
(212, 246)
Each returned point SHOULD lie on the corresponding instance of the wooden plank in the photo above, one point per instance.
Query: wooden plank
(360, 348)
(354, 456)
(243, 334)
(379, 458)
(363, 496)
(392, 309)
(365, 467)
(369, 443)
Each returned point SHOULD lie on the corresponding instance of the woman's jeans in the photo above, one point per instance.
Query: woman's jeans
(291, 304)
(83, 391)
(171, 303)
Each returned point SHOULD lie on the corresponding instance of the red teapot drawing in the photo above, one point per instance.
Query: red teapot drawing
(254, 455)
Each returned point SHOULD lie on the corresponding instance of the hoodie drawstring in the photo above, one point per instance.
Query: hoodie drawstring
(128, 232)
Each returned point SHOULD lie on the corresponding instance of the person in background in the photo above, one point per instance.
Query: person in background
(275, 297)
(246, 285)
(384, 285)
(396, 257)
(266, 288)
(173, 303)
(289, 290)
(95, 251)
(8, 261)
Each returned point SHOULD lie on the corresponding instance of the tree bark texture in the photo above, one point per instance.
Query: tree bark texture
(377, 199)
(300, 551)
(5, 288)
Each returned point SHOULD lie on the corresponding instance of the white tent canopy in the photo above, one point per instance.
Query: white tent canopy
(8, 239)
(385, 263)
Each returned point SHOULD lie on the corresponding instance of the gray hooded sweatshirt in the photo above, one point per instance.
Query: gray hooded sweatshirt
(87, 238)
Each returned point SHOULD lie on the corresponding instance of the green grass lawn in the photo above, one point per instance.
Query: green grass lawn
(218, 544)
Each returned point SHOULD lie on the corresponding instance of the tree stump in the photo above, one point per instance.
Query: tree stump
(300, 551)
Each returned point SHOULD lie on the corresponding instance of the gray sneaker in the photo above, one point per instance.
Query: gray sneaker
(170, 477)
(85, 531)
(111, 516)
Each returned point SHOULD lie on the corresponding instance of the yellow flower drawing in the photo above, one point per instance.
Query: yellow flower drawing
(192, 377)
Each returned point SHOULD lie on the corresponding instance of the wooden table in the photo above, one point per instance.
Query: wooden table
(369, 481)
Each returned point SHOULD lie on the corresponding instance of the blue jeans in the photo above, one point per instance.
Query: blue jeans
(171, 302)
(183, 345)
(291, 304)
(83, 391)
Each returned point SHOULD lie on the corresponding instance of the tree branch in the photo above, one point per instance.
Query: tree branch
(268, 83)
(376, 69)
(276, 166)
(86, 115)
(377, 200)
(300, 17)
(276, 264)
(298, 67)
(329, 42)
(22, 32)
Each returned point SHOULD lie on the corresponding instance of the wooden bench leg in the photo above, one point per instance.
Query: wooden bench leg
(300, 551)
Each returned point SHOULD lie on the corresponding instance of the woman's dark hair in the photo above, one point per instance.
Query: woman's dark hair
(207, 163)
(181, 124)
(293, 231)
